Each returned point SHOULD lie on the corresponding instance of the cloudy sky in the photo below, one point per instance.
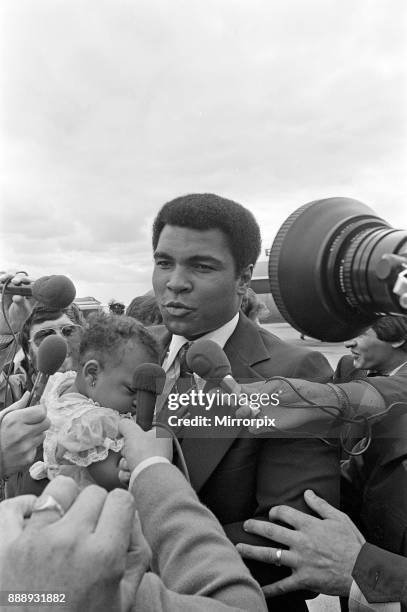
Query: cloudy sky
(109, 108)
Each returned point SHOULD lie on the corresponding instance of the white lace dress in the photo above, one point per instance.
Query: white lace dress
(81, 432)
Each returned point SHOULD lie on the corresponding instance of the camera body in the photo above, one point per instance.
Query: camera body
(335, 266)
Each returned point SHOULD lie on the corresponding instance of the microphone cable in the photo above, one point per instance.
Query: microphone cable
(175, 440)
(336, 411)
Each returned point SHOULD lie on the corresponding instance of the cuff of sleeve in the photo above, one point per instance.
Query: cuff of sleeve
(358, 602)
(143, 465)
(380, 574)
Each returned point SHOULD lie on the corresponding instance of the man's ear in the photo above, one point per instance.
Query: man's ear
(91, 371)
(244, 279)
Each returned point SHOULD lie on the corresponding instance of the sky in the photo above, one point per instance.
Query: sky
(110, 108)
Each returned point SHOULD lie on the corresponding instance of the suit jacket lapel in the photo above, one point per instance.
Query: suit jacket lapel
(244, 348)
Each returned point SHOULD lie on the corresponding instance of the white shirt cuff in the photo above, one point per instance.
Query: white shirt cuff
(358, 602)
(145, 464)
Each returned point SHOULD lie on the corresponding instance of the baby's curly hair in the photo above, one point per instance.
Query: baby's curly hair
(106, 336)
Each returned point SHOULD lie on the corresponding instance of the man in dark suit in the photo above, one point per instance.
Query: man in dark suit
(374, 483)
(205, 248)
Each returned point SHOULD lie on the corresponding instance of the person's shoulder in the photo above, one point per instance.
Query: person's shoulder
(272, 341)
(287, 359)
(269, 338)
(159, 333)
(162, 336)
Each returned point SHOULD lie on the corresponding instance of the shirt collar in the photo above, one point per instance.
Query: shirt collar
(397, 369)
(391, 373)
(220, 336)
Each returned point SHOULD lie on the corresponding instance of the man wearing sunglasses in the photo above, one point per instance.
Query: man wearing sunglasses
(44, 322)
(22, 430)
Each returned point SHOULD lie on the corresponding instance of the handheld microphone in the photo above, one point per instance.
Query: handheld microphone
(51, 355)
(148, 380)
(56, 291)
(209, 361)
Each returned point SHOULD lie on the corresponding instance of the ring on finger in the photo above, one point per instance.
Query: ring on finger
(47, 502)
(279, 554)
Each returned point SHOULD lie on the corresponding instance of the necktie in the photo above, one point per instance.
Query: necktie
(184, 370)
(179, 379)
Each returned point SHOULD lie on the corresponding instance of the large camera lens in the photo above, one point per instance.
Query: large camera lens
(324, 268)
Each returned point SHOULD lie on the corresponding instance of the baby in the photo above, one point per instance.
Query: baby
(85, 407)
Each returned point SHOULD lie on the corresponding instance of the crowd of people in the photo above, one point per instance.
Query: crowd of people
(99, 511)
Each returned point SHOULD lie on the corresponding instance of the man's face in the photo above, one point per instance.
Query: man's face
(194, 280)
(62, 326)
(370, 353)
(114, 383)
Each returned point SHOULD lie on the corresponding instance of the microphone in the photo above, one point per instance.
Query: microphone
(56, 291)
(148, 380)
(51, 355)
(209, 361)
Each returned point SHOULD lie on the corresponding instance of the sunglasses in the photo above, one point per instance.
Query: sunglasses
(66, 331)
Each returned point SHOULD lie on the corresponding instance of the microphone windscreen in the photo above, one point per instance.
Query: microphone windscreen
(208, 360)
(149, 377)
(51, 354)
(56, 291)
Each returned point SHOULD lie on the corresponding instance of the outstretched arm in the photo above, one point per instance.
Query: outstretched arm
(195, 567)
(297, 403)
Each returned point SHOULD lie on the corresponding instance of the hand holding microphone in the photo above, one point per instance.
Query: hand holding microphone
(259, 399)
(209, 361)
(56, 291)
(51, 355)
(22, 425)
(16, 289)
(148, 380)
(278, 404)
(22, 430)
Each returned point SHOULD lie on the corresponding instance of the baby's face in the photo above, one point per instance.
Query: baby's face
(114, 386)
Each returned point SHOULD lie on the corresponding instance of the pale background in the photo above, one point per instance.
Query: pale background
(109, 108)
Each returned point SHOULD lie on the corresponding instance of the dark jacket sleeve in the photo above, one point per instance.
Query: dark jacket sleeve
(381, 575)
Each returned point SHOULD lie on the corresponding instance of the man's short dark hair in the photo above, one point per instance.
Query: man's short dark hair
(145, 309)
(41, 313)
(204, 211)
(106, 336)
(392, 328)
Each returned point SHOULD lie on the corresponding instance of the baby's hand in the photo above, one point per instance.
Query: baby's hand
(124, 472)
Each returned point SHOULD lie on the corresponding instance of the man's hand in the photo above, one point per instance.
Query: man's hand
(95, 554)
(140, 445)
(17, 307)
(22, 430)
(321, 553)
